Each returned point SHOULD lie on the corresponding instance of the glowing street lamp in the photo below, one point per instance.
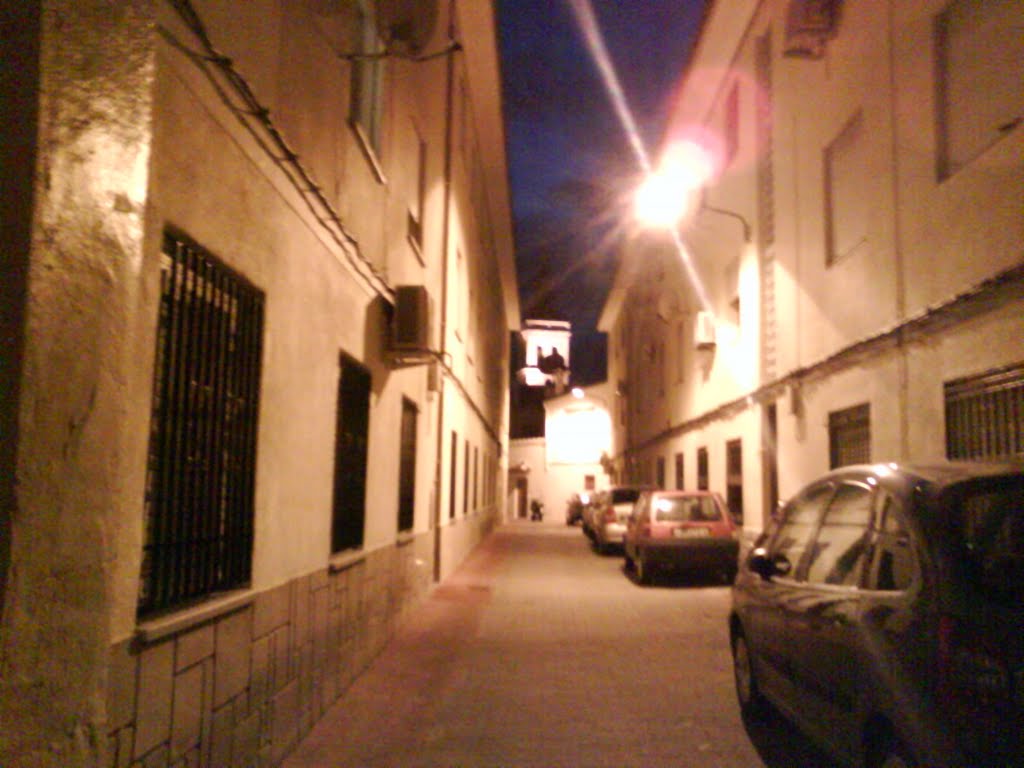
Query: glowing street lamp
(670, 193)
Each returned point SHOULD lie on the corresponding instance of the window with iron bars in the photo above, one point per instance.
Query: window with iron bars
(849, 436)
(985, 415)
(201, 470)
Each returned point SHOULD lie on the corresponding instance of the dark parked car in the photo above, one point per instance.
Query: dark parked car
(882, 611)
(681, 531)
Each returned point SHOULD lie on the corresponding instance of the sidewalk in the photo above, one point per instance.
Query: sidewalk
(537, 652)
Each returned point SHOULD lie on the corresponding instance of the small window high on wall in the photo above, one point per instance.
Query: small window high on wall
(979, 86)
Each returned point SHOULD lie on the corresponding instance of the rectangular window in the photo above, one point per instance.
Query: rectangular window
(979, 51)
(765, 144)
(732, 124)
(659, 472)
(367, 82)
(985, 415)
(407, 467)
(679, 472)
(849, 436)
(476, 478)
(847, 190)
(350, 456)
(453, 472)
(702, 469)
(465, 481)
(201, 468)
(734, 479)
(416, 204)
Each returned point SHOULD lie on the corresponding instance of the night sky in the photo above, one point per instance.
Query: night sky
(570, 163)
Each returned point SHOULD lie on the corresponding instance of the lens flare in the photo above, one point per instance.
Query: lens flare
(689, 157)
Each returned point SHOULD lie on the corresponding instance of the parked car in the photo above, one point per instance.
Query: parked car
(605, 518)
(575, 506)
(682, 531)
(882, 611)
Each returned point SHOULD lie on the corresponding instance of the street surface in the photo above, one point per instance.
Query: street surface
(540, 652)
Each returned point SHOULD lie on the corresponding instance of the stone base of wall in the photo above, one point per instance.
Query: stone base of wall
(240, 690)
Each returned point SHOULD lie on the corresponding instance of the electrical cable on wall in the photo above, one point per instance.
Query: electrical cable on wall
(271, 142)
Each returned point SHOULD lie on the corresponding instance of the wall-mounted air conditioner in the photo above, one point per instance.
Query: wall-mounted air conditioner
(410, 325)
(704, 330)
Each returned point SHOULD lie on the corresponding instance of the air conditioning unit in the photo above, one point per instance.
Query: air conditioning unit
(410, 325)
(704, 330)
(407, 25)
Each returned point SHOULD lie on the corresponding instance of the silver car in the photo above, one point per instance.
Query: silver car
(608, 514)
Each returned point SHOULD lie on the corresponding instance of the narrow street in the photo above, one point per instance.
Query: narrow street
(539, 652)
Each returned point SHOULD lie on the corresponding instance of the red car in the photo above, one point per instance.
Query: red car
(681, 530)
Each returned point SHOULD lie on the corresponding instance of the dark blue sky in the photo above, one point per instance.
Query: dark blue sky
(570, 164)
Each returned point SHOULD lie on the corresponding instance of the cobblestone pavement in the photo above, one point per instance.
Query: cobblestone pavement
(539, 652)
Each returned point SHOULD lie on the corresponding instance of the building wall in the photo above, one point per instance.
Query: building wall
(147, 123)
(928, 292)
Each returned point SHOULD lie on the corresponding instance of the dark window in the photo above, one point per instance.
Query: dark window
(679, 471)
(465, 482)
(453, 473)
(476, 478)
(734, 479)
(837, 556)
(659, 471)
(702, 469)
(201, 470)
(407, 467)
(985, 415)
(350, 456)
(849, 436)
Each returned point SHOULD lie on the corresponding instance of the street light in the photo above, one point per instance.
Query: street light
(672, 192)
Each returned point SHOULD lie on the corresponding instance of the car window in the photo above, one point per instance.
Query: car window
(894, 565)
(624, 495)
(992, 521)
(799, 519)
(838, 553)
(694, 509)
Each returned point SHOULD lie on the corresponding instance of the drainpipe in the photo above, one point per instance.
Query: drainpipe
(901, 300)
(445, 242)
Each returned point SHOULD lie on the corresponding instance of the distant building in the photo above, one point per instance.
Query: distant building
(560, 436)
(850, 284)
(258, 285)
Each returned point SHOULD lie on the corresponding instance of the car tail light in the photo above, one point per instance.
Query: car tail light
(609, 514)
(971, 676)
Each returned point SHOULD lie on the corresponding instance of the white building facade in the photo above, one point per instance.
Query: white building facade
(259, 299)
(849, 283)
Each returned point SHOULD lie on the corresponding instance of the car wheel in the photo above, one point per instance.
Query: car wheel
(747, 692)
(628, 558)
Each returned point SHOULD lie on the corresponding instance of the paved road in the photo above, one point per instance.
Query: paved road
(539, 652)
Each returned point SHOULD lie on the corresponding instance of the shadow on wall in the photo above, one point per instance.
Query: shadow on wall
(19, 48)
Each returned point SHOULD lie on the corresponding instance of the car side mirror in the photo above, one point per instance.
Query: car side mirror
(765, 565)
